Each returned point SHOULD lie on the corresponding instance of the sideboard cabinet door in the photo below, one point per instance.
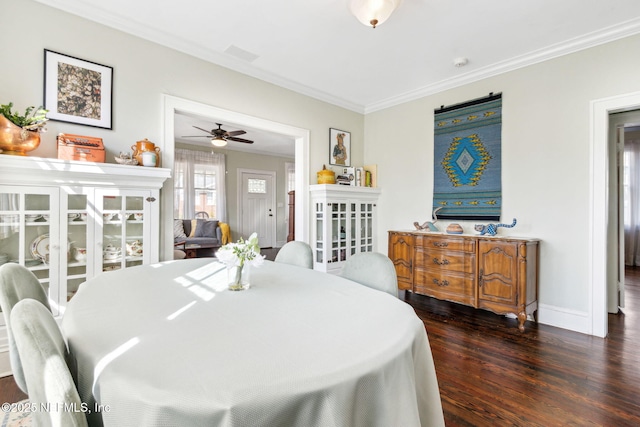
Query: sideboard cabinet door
(401, 253)
(507, 277)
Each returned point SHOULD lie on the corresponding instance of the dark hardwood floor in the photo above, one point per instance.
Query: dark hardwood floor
(490, 374)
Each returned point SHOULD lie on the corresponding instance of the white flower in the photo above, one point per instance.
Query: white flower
(241, 253)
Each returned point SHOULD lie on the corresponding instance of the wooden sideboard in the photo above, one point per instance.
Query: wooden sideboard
(499, 274)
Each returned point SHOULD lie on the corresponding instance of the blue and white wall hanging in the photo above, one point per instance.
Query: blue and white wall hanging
(467, 172)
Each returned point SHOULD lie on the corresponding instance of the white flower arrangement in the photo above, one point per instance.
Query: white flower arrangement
(239, 254)
(244, 251)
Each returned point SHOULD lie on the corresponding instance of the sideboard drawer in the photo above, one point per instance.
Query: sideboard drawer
(445, 285)
(445, 260)
(446, 243)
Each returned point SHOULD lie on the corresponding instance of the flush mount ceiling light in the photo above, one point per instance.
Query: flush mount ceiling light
(373, 12)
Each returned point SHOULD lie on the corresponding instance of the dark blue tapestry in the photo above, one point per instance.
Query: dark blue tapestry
(467, 160)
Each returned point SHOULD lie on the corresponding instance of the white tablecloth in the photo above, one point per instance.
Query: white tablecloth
(167, 345)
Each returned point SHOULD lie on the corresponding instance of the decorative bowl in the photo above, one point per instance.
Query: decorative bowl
(454, 229)
(126, 159)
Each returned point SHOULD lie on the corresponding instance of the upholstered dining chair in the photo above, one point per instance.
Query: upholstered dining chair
(372, 269)
(18, 283)
(295, 253)
(44, 355)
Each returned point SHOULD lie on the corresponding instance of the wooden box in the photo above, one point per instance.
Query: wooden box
(79, 147)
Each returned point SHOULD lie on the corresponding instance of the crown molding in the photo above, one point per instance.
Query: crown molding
(626, 29)
(124, 24)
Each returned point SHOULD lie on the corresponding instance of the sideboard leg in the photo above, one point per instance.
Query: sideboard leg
(522, 317)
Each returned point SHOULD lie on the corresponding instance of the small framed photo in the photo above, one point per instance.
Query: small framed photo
(77, 91)
(339, 147)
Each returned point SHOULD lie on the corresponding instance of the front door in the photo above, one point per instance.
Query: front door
(257, 205)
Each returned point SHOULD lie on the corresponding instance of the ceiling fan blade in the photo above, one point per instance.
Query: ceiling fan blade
(236, 133)
(204, 130)
(196, 136)
(246, 141)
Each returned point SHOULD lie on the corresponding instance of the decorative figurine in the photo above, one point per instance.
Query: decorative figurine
(455, 228)
(492, 229)
(429, 225)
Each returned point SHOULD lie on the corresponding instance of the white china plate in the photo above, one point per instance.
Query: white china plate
(40, 247)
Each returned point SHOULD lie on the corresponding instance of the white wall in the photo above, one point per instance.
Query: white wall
(545, 161)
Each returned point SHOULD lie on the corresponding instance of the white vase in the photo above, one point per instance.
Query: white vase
(149, 158)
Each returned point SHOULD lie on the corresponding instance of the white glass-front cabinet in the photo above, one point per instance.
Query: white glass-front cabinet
(343, 224)
(68, 221)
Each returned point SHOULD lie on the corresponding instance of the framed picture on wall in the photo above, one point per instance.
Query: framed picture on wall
(339, 147)
(77, 91)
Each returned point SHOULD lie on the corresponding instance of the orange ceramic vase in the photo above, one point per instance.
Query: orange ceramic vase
(141, 147)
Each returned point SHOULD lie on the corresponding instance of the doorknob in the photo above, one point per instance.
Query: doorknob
(270, 214)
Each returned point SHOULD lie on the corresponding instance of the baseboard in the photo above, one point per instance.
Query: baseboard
(559, 317)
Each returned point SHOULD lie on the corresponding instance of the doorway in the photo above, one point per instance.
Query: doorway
(602, 183)
(624, 135)
(172, 104)
(256, 205)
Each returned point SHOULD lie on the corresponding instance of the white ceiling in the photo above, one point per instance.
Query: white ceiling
(316, 47)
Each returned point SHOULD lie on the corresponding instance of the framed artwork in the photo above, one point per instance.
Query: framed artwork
(77, 91)
(339, 147)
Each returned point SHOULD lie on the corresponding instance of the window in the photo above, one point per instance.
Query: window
(199, 184)
(257, 186)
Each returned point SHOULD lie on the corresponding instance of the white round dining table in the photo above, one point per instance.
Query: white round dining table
(168, 345)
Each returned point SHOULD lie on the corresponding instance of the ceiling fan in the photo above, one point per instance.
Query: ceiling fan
(219, 137)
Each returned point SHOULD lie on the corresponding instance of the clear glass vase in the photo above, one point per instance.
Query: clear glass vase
(239, 277)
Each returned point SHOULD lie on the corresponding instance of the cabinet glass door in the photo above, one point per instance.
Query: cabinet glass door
(338, 231)
(353, 227)
(319, 247)
(123, 225)
(27, 236)
(366, 227)
(78, 227)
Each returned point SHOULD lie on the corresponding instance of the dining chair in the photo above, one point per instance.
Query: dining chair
(295, 253)
(18, 283)
(44, 355)
(372, 269)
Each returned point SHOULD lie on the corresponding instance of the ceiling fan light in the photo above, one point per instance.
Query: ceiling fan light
(373, 12)
(219, 141)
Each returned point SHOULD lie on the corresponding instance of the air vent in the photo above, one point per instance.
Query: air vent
(241, 53)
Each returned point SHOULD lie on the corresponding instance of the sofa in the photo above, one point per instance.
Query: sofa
(206, 233)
